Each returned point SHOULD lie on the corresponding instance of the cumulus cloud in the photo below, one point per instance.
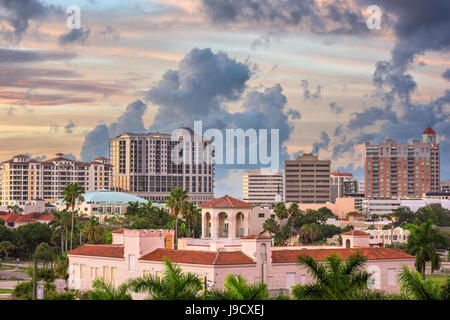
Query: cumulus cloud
(74, 37)
(294, 114)
(96, 141)
(335, 108)
(323, 143)
(68, 128)
(446, 74)
(307, 94)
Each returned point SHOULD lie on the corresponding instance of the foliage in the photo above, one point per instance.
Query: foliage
(422, 243)
(24, 291)
(106, 291)
(174, 285)
(270, 225)
(176, 203)
(28, 236)
(5, 246)
(348, 228)
(72, 194)
(336, 279)
(62, 266)
(310, 232)
(236, 288)
(414, 287)
(93, 232)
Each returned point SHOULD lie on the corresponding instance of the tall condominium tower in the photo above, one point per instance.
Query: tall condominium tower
(262, 186)
(399, 170)
(307, 179)
(337, 184)
(25, 179)
(143, 165)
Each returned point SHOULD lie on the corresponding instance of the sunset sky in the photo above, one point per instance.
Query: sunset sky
(310, 68)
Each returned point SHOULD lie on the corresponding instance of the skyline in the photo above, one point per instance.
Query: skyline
(334, 85)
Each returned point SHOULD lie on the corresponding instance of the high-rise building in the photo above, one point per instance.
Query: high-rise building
(339, 181)
(445, 186)
(307, 179)
(398, 170)
(262, 186)
(143, 166)
(25, 180)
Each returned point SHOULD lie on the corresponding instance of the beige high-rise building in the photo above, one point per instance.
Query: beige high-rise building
(142, 165)
(262, 186)
(24, 180)
(307, 179)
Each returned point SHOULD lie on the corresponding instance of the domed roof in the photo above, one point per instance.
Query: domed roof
(105, 196)
(429, 130)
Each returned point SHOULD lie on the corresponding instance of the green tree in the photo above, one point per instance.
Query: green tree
(93, 232)
(73, 194)
(174, 285)
(5, 246)
(106, 291)
(175, 202)
(415, 287)
(133, 209)
(27, 237)
(236, 288)
(421, 243)
(280, 212)
(293, 212)
(271, 226)
(335, 279)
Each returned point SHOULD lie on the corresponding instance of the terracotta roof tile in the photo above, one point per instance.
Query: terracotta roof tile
(226, 202)
(13, 217)
(356, 233)
(289, 256)
(429, 130)
(111, 251)
(199, 257)
(118, 231)
(46, 217)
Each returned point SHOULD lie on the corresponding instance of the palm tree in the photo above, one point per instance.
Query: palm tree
(293, 213)
(188, 211)
(271, 226)
(146, 209)
(93, 231)
(281, 212)
(105, 291)
(5, 246)
(236, 288)
(60, 224)
(73, 194)
(133, 208)
(421, 243)
(175, 201)
(334, 280)
(412, 284)
(174, 285)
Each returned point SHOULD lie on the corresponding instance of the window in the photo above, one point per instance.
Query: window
(92, 273)
(106, 273)
(260, 215)
(114, 274)
(303, 279)
(290, 280)
(131, 262)
(83, 272)
(392, 277)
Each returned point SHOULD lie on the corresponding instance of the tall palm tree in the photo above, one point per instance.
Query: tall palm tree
(188, 211)
(334, 280)
(421, 243)
(104, 290)
(73, 194)
(175, 201)
(280, 212)
(174, 285)
(60, 224)
(236, 288)
(93, 231)
(133, 208)
(271, 226)
(412, 284)
(293, 213)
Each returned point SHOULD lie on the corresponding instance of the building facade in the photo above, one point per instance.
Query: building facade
(25, 180)
(386, 206)
(307, 179)
(143, 166)
(400, 170)
(261, 186)
(341, 184)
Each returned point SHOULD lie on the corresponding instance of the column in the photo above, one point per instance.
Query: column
(246, 223)
(232, 226)
(214, 225)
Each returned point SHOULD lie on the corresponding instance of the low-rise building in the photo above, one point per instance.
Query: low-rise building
(14, 220)
(383, 237)
(223, 251)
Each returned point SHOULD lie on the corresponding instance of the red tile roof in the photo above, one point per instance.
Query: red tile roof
(118, 231)
(46, 217)
(429, 130)
(356, 233)
(289, 256)
(256, 236)
(226, 202)
(13, 217)
(96, 250)
(199, 257)
(357, 215)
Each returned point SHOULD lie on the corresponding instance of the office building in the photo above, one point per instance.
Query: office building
(307, 179)
(25, 180)
(260, 186)
(143, 166)
(339, 182)
(400, 170)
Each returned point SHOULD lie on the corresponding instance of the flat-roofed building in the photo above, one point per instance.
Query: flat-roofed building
(341, 183)
(400, 170)
(262, 186)
(25, 180)
(307, 179)
(143, 166)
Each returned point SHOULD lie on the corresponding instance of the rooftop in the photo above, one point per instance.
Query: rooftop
(96, 250)
(356, 233)
(226, 202)
(104, 196)
(429, 130)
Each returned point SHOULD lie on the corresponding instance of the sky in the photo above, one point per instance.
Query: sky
(310, 68)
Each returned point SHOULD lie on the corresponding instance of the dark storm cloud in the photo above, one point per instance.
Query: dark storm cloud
(74, 37)
(337, 17)
(96, 142)
(18, 14)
